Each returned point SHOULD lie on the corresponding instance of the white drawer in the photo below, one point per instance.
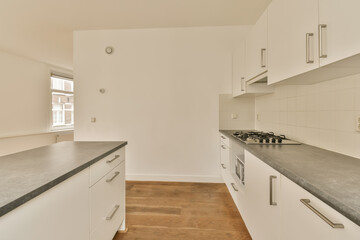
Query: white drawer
(105, 165)
(225, 140)
(107, 229)
(224, 170)
(105, 195)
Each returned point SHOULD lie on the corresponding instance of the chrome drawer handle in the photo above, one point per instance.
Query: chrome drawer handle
(306, 202)
(272, 203)
(113, 177)
(223, 147)
(110, 161)
(113, 212)
(223, 137)
(262, 57)
(308, 48)
(223, 166)
(321, 53)
(234, 187)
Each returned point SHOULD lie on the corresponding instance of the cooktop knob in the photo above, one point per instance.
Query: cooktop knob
(273, 140)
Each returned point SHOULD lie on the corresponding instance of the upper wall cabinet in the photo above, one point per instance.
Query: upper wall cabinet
(256, 48)
(312, 40)
(339, 34)
(292, 38)
(238, 70)
(240, 86)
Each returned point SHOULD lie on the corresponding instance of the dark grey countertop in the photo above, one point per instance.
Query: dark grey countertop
(332, 177)
(27, 174)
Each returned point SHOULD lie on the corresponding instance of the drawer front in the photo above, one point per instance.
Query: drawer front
(224, 139)
(300, 222)
(105, 165)
(224, 170)
(105, 195)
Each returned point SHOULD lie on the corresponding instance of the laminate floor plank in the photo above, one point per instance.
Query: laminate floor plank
(178, 211)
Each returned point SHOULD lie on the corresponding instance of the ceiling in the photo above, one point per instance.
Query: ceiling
(42, 29)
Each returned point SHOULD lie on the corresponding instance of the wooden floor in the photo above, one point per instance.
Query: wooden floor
(181, 211)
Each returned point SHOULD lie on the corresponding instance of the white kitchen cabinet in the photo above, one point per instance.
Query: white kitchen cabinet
(105, 165)
(262, 199)
(292, 38)
(74, 209)
(60, 213)
(241, 87)
(238, 70)
(256, 48)
(299, 222)
(107, 206)
(338, 26)
(224, 155)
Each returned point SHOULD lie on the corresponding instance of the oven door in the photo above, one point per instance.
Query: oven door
(240, 169)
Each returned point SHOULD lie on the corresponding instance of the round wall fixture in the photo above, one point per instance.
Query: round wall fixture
(109, 50)
(102, 90)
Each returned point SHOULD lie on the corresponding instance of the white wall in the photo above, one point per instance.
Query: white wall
(25, 103)
(322, 114)
(243, 107)
(162, 88)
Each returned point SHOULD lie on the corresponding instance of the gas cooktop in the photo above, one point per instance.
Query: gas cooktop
(266, 138)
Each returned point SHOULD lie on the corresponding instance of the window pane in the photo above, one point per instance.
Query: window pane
(62, 109)
(62, 84)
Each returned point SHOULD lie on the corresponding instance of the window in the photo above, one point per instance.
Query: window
(62, 101)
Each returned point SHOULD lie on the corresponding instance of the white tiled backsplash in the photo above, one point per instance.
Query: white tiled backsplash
(322, 114)
(243, 107)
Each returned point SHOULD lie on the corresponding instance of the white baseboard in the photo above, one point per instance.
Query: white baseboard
(175, 178)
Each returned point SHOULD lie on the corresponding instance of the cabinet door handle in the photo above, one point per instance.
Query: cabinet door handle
(234, 187)
(321, 28)
(272, 203)
(306, 202)
(242, 84)
(116, 207)
(110, 161)
(223, 166)
(223, 137)
(263, 64)
(113, 177)
(308, 49)
(223, 147)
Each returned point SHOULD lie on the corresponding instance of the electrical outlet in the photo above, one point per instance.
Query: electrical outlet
(358, 123)
(234, 116)
(258, 116)
(93, 119)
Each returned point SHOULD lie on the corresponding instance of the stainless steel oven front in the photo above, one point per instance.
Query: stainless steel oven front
(240, 169)
(237, 162)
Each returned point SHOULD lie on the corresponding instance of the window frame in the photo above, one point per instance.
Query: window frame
(52, 91)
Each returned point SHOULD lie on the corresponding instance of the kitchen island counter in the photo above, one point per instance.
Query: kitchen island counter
(27, 174)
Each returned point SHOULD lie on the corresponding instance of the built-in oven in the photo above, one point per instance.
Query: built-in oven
(240, 169)
(237, 163)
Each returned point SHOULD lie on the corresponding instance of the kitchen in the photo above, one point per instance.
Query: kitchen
(162, 87)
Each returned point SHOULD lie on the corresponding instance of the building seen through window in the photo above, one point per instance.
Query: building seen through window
(62, 95)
